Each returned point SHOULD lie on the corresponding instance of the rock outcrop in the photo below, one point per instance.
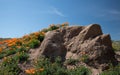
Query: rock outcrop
(78, 42)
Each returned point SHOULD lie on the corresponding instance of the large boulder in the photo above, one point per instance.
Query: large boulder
(78, 42)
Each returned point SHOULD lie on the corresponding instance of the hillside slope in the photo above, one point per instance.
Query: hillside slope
(19, 56)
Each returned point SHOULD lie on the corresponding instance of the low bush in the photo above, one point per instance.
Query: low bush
(71, 61)
(79, 71)
(84, 58)
(9, 67)
(41, 38)
(116, 45)
(112, 71)
(34, 43)
(22, 48)
(2, 55)
(10, 52)
(53, 27)
(45, 67)
(21, 56)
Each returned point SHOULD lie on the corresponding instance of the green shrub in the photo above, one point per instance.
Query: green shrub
(53, 27)
(116, 45)
(57, 68)
(80, 71)
(9, 67)
(50, 68)
(112, 71)
(41, 38)
(21, 56)
(44, 30)
(84, 58)
(1, 55)
(34, 43)
(21, 49)
(71, 61)
(10, 52)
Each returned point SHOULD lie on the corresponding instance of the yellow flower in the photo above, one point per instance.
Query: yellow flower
(33, 70)
(65, 24)
(1, 42)
(30, 71)
(41, 69)
(1, 50)
(10, 45)
(18, 46)
(27, 47)
(27, 71)
(36, 33)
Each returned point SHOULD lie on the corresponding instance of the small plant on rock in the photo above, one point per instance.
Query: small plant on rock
(84, 58)
(71, 61)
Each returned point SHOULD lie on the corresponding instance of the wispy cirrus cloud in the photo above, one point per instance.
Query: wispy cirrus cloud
(114, 12)
(111, 15)
(53, 10)
(57, 12)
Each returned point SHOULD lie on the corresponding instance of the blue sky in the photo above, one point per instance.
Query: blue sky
(20, 17)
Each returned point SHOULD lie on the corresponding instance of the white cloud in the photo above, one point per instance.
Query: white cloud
(113, 15)
(57, 12)
(110, 15)
(52, 10)
(114, 12)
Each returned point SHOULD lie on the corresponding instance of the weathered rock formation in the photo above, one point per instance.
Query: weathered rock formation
(79, 41)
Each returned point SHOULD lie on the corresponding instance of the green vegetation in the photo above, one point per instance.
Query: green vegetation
(112, 71)
(1, 39)
(21, 56)
(116, 45)
(85, 58)
(71, 61)
(9, 66)
(80, 71)
(14, 51)
(57, 68)
(34, 43)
